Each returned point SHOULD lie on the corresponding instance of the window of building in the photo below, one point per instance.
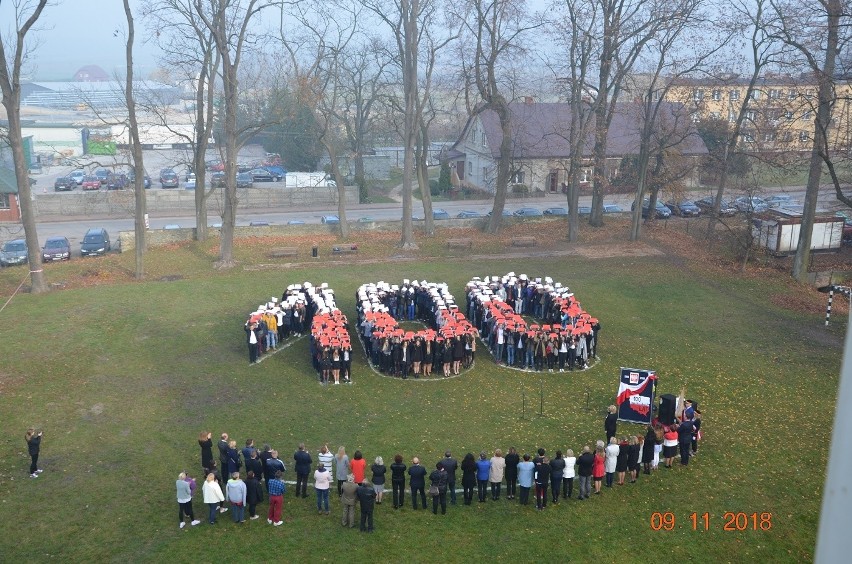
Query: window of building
(715, 115)
(806, 114)
(484, 173)
(788, 115)
(586, 175)
(750, 115)
(809, 93)
(473, 135)
(732, 116)
(804, 136)
(4, 202)
(734, 94)
(717, 95)
(791, 95)
(748, 137)
(774, 93)
(470, 167)
(518, 177)
(696, 117)
(787, 137)
(769, 137)
(698, 94)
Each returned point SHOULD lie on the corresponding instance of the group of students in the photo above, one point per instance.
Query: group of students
(446, 346)
(273, 322)
(564, 337)
(360, 483)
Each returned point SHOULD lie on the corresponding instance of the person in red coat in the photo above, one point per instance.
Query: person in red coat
(358, 466)
(598, 469)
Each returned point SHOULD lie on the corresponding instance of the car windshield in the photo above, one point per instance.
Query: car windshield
(14, 246)
(55, 244)
(93, 239)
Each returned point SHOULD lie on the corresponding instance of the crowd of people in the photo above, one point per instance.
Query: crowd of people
(272, 322)
(564, 336)
(446, 344)
(253, 472)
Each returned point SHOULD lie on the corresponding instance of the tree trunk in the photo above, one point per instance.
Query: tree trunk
(141, 207)
(636, 215)
(411, 9)
(422, 155)
(823, 120)
(229, 212)
(343, 226)
(203, 126)
(503, 167)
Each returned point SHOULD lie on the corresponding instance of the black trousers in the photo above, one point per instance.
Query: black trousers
(685, 451)
(525, 495)
(468, 493)
(511, 485)
(554, 487)
(567, 487)
(185, 507)
(398, 493)
(33, 463)
(451, 488)
(541, 495)
(414, 490)
(495, 490)
(301, 485)
(483, 487)
(442, 499)
(366, 519)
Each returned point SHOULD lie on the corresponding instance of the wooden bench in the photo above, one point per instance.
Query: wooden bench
(344, 250)
(459, 243)
(524, 242)
(282, 252)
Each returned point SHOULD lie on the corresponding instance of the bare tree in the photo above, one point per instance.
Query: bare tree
(187, 45)
(13, 54)
(817, 31)
(229, 23)
(140, 207)
(496, 29)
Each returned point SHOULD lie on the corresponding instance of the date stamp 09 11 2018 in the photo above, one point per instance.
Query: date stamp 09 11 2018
(731, 521)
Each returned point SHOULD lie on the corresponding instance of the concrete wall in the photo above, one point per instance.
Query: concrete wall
(121, 202)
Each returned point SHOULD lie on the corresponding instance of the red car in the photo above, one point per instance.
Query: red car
(91, 182)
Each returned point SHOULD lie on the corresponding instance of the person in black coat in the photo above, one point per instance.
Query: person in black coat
(367, 497)
(222, 445)
(450, 465)
(633, 458)
(438, 479)
(542, 480)
(611, 423)
(33, 445)
(254, 494)
(621, 461)
(303, 462)
(398, 481)
(584, 472)
(684, 440)
(205, 441)
(417, 482)
(254, 464)
(648, 449)
(557, 467)
(468, 468)
(512, 461)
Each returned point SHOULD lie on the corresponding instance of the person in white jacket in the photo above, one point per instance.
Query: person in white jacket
(612, 450)
(495, 474)
(213, 496)
(568, 474)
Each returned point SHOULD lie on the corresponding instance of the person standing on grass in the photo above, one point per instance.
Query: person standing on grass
(696, 432)
(322, 482)
(468, 468)
(276, 499)
(367, 497)
(611, 423)
(512, 461)
(33, 446)
(568, 474)
(254, 494)
(358, 467)
(222, 445)
(684, 433)
(272, 465)
(612, 452)
(621, 459)
(184, 499)
(670, 445)
(417, 482)
(251, 341)
(634, 457)
(557, 466)
(598, 468)
(247, 450)
(303, 462)
(450, 465)
(205, 441)
(483, 472)
(213, 496)
(542, 480)
(341, 462)
(234, 462)
(237, 493)
(584, 472)
(254, 464)
(496, 473)
(526, 473)
(438, 479)
(379, 470)
(398, 468)
(348, 499)
(648, 448)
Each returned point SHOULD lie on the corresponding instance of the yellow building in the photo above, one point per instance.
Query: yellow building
(779, 114)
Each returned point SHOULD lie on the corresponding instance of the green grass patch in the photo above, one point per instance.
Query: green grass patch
(123, 376)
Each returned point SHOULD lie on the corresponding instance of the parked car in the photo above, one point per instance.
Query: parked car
(261, 175)
(243, 180)
(189, 184)
(95, 242)
(726, 208)
(91, 182)
(131, 178)
(78, 176)
(276, 171)
(330, 219)
(748, 204)
(171, 227)
(56, 248)
(779, 201)
(366, 219)
(684, 208)
(661, 211)
(468, 214)
(169, 178)
(117, 181)
(506, 213)
(258, 223)
(13, 253)
(556, 211)
(584, 210)
(527, 212)
(103, 175)
(217, 180)
(612, 208)
(847, 225)
(64, 184)
(295, 222)
(438, 213)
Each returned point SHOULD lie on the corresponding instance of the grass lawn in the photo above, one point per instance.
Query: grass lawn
(123, 376)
